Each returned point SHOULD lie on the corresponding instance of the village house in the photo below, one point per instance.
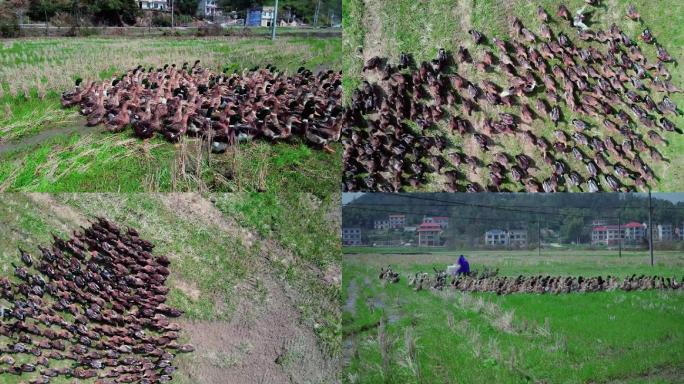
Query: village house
(443, 221)
(267, 14)
(351, 236)
(513, 237)
(517, 237)
(207, 8)
(153, 5)
(496, 237)
(397, 221)
(381, 224)
(429, 235)
(611, 234)
(664, 232)
(634, 232)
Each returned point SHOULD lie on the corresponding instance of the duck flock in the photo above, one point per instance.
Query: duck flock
(608, 106)
(90, 307)
(488, 281)
(222, 108)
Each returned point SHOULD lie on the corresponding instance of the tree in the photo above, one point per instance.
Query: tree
(186, 7)
(119, 12)
(572, 229)
(44, 9)
(237, 5)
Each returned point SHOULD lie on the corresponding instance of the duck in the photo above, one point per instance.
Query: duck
(632, 13)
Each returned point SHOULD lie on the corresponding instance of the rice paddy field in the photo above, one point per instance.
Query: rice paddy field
(393, 334)
(260, 298)
(386, 28)
(48, 149)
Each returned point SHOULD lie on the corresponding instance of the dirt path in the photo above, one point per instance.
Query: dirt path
(67, 218)
(375, 43)
(265, 341)
(193, 206)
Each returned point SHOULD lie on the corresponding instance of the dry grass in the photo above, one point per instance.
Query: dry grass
(36, 119)
(410, 352)
(55, 64)
(385, 343)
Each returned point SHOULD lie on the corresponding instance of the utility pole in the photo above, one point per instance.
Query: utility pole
(538, 239)
(318, 9)
(619, 237)
(46, 19)
(650, 227)
(173, 25)
(275, 21)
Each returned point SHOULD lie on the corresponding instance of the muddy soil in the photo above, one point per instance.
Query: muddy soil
(43, 136)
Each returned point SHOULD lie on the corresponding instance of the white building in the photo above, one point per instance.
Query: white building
(397, 221)
(517, 237)
(443, 221)
(207, 8)
(499, 237)
(611, 234)
(351, 236)
(664, 232)
(496, 237)
(153, 5)
(267, 14)
(381, 224)
(634, 232)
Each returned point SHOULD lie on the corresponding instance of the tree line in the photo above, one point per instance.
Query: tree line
(569, 215)
(126, 12)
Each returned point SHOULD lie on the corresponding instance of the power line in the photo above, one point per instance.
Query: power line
(457, 202)
(366, 208)
(558, 214)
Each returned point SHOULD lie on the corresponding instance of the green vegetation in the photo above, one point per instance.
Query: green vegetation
(44, 148)
(387, 28)
(396, 335)
(307, 225)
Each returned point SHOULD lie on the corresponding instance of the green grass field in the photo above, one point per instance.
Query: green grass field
(388, 27)
(236, 279)
(47, 149)
(393, 334)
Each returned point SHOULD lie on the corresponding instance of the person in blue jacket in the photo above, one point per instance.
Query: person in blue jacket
(463, 266)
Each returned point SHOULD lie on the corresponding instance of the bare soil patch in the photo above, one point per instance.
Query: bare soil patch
(63, 213)
(193, 206)
(375, 44)
(190, 289)
(262, 343)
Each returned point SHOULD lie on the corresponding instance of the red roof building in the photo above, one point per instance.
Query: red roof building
(611, 234)
(429, 234)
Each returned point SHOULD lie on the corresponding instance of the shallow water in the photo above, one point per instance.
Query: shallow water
(32, 141)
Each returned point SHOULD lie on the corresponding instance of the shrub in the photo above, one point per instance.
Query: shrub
(9, 27)
(161, 21)
(209, 30)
